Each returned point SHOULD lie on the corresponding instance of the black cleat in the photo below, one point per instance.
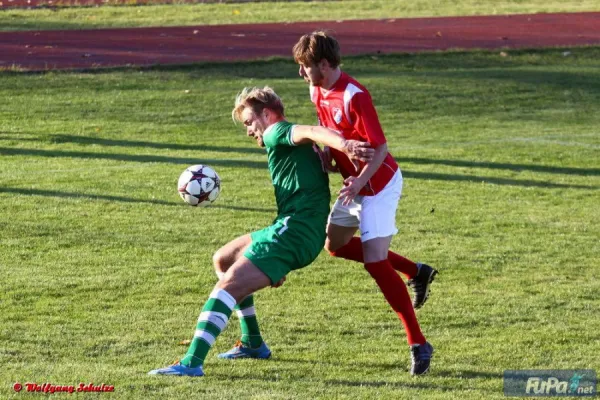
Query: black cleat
(420, 284)
(421, 358)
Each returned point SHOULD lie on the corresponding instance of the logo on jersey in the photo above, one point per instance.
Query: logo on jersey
(337, 115)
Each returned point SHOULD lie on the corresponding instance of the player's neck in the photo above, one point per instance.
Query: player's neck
(275, 120)
(332, 79)
(278, 119)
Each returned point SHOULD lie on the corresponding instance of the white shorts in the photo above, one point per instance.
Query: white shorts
(375, 216)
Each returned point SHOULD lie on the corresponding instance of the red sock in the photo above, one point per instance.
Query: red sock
(353, 251)
(404, 265)
(395, 293)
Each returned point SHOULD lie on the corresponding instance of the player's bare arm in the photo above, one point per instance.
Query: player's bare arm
(379, 154)
(353, 184)
(317, 134)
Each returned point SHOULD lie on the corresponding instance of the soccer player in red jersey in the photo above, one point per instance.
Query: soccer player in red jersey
(371, 191)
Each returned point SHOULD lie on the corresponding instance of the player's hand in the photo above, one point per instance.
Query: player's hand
(278, 283)
(352, 185)
(358, 150)
(327, 160)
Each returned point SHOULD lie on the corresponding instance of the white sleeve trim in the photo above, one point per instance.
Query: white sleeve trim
(349, 93)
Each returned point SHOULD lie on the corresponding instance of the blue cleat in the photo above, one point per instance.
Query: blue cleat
(241, 351)
(421, 358)
(178, 369)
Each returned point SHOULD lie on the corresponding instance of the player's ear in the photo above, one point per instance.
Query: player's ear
(266, 114)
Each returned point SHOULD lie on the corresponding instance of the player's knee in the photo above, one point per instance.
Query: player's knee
(238, 289)
(330, 247)
(230, 286)
(333, 246)
(376, 250)
(220, 262)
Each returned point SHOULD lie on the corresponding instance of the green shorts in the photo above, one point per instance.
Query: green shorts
(292, 242)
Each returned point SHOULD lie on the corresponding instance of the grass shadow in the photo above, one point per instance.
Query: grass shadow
(122, 199)
(263, 165)
(398, 385)
(492, 180)
(503, 166)
(394, 366)
(5, 151)
(8, 136)
(469, 374)
(74, 195)
(84, 140)
(561, 80)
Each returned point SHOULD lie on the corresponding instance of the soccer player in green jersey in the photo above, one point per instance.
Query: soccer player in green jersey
(296, 237)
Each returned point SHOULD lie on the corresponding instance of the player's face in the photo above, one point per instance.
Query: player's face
(312, 74)
(255, 125)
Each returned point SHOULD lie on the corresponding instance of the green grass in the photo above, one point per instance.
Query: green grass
(104, 269)
(210, 14)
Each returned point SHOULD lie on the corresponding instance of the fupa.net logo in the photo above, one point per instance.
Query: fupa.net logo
(550, 383)
(554, 385)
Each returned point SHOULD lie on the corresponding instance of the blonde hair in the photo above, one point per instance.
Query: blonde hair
(316, 46)
(257, 99)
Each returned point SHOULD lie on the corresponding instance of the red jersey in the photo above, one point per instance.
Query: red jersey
(347, 108)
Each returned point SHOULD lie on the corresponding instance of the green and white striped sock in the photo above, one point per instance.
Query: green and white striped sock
(211, 322)
(248, 323)
(246, 312)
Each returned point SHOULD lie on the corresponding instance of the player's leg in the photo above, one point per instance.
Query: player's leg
(377, 229)
(241, 279)
(341, 242)
(230, 253)
(420, 275)
(396, 294)
(290, 243)
(342, 224)
(252, 344)
(352, 250)
(390, 196)
(337, 238)
(392, 286)
(384, 206)
(223, 259)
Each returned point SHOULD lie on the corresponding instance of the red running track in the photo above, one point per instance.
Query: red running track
(82, 49)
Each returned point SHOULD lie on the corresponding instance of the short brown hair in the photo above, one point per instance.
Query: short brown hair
(316, 46)
(257, 99)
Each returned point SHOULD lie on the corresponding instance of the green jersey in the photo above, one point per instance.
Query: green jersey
(301, 185)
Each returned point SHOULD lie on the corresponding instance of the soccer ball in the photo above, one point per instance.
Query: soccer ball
(199, 185)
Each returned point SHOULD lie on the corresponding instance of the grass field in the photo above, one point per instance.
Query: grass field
(105, 269)
(210, 14)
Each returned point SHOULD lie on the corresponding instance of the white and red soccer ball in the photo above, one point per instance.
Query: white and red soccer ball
(199, 185)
